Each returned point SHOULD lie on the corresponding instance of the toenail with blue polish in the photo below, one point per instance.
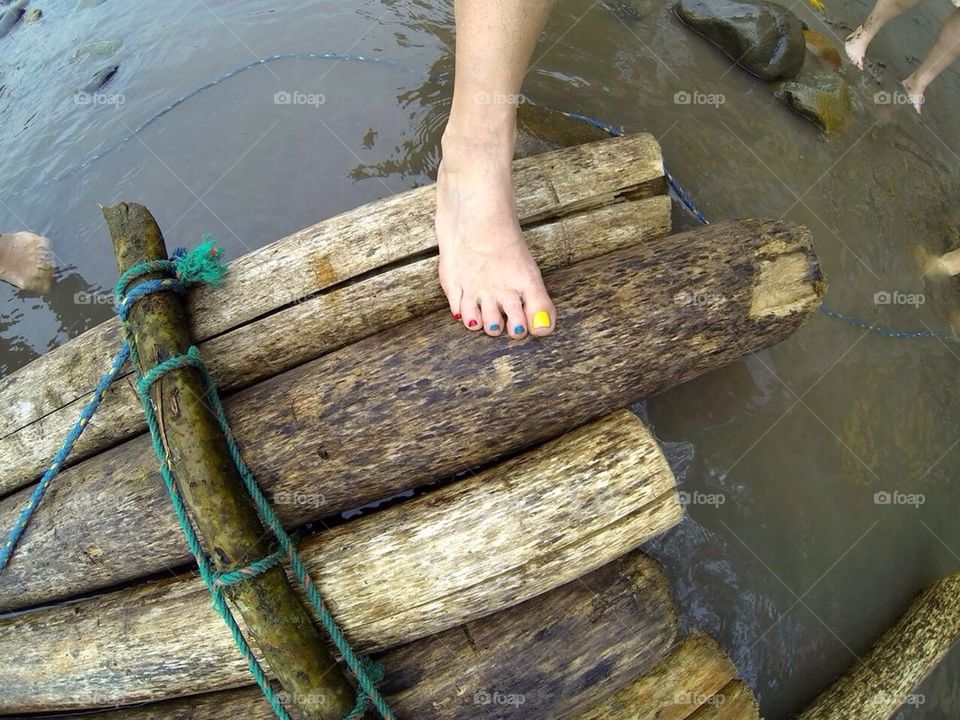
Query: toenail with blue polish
(494, 327)
(518, 330)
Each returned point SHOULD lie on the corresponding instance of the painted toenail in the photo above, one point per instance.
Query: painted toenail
(472, 323)
(457, 316)
(541, 320)
(518, 330)
(494, 327)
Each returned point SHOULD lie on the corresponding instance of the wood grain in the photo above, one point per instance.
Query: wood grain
(293, 269)
(479, 545)
(320, 324)
(424, 400)
(893, 668)
(563, 649)
(682, 684)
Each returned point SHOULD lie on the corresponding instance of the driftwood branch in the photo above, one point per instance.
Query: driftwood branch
(893, 668)
(210, 485)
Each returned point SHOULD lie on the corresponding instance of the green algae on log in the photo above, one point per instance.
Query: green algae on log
(231, 531)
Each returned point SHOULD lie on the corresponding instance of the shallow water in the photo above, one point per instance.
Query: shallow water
(785, 557)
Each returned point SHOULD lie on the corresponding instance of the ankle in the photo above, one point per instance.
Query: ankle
(489, 137)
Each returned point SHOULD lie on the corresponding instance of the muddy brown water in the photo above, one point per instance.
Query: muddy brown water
(789, 555)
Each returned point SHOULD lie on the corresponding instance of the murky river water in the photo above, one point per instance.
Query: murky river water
(786, 557)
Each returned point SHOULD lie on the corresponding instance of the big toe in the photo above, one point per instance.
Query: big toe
(540, 312)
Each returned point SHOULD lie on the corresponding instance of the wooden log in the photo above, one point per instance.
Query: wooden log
(285, 295)
(563, 649)
(900, 660)
(424, 400)
(734, 702)
(478, 545)
(209, 483)
(676, 688)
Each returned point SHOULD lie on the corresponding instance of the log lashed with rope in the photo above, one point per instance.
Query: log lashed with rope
(564, 650)
(478, 545)
(209, 483)
(425, 400)
(284, 303)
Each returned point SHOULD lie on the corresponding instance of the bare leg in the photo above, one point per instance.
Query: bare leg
(486, 271)
(883, 12)
(945, 50)
(26, 261)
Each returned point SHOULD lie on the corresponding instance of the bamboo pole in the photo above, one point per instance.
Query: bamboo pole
(228, 524)
(423, 400)
(473, 547)
(900, 660)
(562, 650)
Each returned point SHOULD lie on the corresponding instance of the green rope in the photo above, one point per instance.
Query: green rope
(203, 265)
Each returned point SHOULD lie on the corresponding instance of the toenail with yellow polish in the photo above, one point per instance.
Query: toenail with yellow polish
(541, 320)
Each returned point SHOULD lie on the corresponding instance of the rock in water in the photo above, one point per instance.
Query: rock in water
(100, 79)
(824, 50)
(823, 98)
(99, 48)
(32, 16)
(761, 36)
(12, 16)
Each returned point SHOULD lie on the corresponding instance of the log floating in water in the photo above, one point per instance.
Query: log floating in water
(464, 551)
(209, 483)
(284, 296)
(893, 668)
(425, 400)
(561, 650)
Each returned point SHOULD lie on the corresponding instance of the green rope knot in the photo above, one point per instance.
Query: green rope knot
(250, 571)
(202, 265)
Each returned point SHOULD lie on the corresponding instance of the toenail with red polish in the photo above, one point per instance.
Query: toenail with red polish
(457, 316)
(472, 323)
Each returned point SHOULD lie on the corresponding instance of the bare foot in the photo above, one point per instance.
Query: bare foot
(936, 267)
(856, 46)
(487, 273)
(26, 261)
(915, 91)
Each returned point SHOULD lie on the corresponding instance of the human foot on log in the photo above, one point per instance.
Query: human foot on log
(487, 273)
(26, 261)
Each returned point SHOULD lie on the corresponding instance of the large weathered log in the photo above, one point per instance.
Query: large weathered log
(909, 651)
(561, 650)
(209, 483)
(425, 400)
(734, 702)
(490, 541)
(685, 681)
(284, 295)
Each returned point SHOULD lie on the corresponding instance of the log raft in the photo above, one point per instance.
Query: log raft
(480, 544)
(603, 647)
(207, 479)
(424, 400)
(283, 303)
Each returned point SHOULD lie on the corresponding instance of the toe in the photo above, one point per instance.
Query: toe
(512, 307)
(541, 315)
(454, 295)
(471, 316)
(492, 317)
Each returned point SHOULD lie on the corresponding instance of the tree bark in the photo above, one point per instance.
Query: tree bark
(424, 400)
(893, 668)
(471, 548)
(289, 296)
(687, 680)
(562, 650)
(209, 483)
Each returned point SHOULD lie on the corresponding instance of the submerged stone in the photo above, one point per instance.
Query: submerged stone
(823, 98)
(762, 37)
(99, 48)
(824, 50)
